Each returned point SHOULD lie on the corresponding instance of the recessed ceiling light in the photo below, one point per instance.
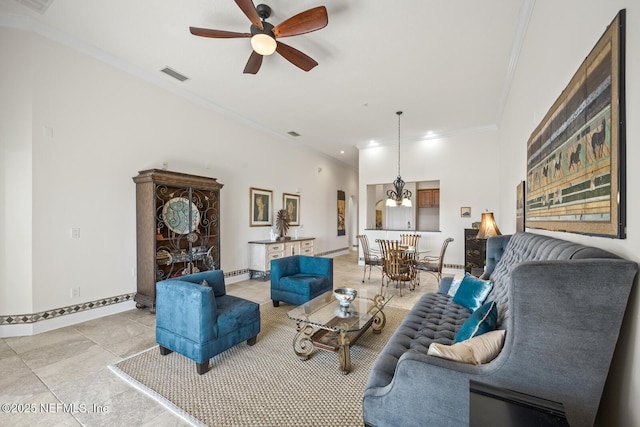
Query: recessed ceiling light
(341, 151)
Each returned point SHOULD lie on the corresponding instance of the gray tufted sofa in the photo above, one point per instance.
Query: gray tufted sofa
(562, 305)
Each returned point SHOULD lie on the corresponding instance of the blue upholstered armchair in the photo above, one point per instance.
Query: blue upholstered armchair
(299, 278)
(201, 321)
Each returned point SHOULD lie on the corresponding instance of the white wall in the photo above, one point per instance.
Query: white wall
(468, 175)
(79, 131)
(15, 176)
(559, 37)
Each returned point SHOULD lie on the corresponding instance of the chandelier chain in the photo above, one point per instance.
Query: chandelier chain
(399, 113)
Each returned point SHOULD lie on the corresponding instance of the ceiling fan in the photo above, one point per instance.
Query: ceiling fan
(264, 35)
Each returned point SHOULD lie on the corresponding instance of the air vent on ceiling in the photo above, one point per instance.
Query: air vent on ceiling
(39, 6)
(173, 73)
(293, 133)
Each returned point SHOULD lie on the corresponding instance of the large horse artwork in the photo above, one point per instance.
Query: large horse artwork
(574, 172)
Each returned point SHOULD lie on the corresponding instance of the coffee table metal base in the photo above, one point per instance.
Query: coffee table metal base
(308, 337)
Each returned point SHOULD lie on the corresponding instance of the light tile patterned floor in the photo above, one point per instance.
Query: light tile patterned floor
(60, 378)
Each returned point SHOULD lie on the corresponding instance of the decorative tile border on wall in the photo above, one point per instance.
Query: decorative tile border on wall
(20, 319)
(237, 273)
(454, 266)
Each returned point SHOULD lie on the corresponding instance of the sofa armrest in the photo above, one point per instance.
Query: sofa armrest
(567, 318)
(419, 380)
(187, 309)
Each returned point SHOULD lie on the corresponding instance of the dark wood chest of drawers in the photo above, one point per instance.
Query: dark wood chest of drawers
(474, 250)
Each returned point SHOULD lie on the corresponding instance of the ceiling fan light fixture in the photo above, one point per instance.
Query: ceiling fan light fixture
(263, 34)
(263, 44)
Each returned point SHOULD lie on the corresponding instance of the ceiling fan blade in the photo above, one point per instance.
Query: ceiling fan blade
(304, 22)
(250, 10)
(216, 34)
(253, 64)
(296, 57)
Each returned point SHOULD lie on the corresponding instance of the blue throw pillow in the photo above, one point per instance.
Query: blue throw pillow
(472, 292)
(481, 321)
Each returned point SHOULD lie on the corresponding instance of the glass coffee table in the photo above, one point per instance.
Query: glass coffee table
(324, 324)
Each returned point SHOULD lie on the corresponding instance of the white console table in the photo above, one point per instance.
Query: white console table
(261, 252)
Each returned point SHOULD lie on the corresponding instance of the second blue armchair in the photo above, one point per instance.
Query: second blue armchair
(299, 278)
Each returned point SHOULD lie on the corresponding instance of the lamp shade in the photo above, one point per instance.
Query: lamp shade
(488, 226)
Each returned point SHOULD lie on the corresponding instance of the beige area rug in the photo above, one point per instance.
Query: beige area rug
(263, 385)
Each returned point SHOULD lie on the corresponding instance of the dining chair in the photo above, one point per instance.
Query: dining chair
(372, 257)
(410, 240)
(397, 264)
(432, 264)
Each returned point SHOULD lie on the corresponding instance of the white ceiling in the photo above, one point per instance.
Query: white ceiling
(446, 63)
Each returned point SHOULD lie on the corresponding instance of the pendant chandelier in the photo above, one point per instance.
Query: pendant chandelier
(399, 196)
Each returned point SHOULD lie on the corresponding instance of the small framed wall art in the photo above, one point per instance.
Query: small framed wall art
(291, 202)
(260, 202)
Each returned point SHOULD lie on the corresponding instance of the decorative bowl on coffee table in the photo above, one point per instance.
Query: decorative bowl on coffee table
(345, 295)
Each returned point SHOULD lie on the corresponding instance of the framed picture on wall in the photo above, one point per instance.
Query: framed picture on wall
(465, 212)
(341, 213)
(576, 165)
(260, 203)
(291, 202)
(520, 206)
